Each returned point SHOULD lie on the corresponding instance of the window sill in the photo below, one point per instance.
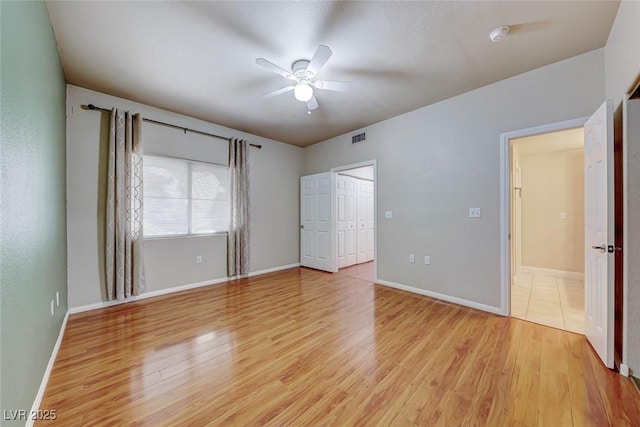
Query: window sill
(185, 236)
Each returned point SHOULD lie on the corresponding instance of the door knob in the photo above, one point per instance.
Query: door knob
(301, 226)
(601, 248)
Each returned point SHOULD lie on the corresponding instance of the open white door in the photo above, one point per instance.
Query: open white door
(599, 232)
(316, 228)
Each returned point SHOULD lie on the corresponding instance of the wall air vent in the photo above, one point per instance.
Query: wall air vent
(359, 138)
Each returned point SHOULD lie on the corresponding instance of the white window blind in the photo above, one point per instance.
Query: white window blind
(183, 197)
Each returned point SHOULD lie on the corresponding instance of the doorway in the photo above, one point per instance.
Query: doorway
(318, 220)
(547, 228)
(599, 229)
(355, 228)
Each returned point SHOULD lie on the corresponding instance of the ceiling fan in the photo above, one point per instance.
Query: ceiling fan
(303, 73)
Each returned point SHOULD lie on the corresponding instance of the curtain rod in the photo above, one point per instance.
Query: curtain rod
(94, 108)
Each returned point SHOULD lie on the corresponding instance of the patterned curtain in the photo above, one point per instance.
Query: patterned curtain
(124, 244)
(238, 237)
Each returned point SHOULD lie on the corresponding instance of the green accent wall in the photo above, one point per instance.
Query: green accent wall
(33, 242)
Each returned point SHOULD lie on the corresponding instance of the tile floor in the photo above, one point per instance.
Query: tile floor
(361, 271)
(549, 301)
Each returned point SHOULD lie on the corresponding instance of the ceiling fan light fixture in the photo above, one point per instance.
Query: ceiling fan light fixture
(303, 72)
(303, 92)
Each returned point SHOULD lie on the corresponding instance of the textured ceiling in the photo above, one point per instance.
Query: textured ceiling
(197, 58)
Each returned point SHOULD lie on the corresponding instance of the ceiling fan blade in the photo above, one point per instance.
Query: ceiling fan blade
(278, 92)
(274, 68)
(337, 86)
(322, 55)
(312, 104)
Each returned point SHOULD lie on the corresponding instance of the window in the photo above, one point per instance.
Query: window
(183, 197)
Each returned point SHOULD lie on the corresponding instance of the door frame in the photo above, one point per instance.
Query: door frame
(334, 171)
(505, 199)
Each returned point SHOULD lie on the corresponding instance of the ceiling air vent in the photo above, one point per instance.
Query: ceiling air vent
(359, 138)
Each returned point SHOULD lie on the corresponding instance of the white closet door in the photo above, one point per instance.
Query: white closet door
(362, 255)
(341, 219)
(316, 229)
(370, 222)
(351, 221)
(346, 220)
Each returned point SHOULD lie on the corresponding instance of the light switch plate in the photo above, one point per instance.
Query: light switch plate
(427, 260)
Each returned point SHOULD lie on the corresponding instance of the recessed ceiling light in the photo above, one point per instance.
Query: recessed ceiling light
(498, 34)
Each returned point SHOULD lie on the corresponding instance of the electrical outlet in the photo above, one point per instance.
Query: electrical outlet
(58, 299)
(563, 215)
(199, 259)
(427, 260)
(388, 214)
(52, 308)
(412, 258)
(475, 212)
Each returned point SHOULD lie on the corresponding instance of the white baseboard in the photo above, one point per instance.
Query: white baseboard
(558, 274)
(271, 270)
(145, 295)
(47, 372)
(624, 370)
(54, 353)
(443, 297)
(171, 290)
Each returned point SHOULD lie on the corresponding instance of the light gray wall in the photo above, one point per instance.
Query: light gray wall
(275, 172)
(622, 70)
(436, 162)
(622, 61)
(33, 250)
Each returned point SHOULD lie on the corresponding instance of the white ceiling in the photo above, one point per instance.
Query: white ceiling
(197, 58)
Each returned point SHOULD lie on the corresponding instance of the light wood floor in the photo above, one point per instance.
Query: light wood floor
(360, 271)
(302, 347)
